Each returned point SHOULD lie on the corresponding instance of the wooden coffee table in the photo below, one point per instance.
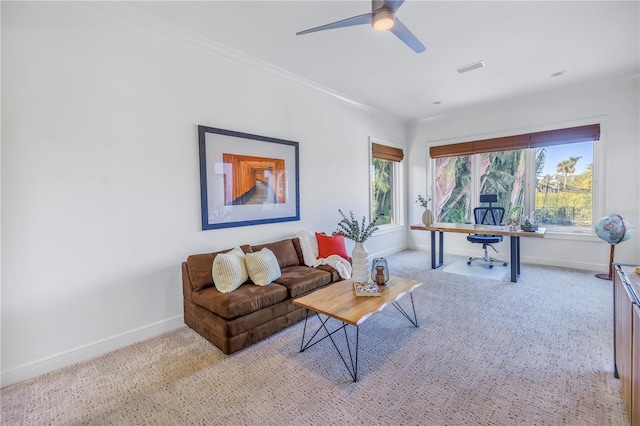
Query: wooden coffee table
(339, 301)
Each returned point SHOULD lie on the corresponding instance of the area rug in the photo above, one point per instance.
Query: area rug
(479, 269)
(486, 352)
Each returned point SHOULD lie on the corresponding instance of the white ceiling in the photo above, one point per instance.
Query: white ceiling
(521, 42)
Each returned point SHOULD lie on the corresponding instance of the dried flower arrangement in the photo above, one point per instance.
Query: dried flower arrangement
(424, 201)
(352, 229)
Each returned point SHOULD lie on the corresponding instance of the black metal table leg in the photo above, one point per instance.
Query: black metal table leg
(435, 265)
(304, 331)
(518, 246)
(350, 359)
(515, 258)
(352, 365)
(413, 320)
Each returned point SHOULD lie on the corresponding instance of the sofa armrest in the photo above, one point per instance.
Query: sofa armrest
(186, 283)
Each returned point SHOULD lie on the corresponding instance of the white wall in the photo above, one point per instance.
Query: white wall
(616, 100)
(100, 181)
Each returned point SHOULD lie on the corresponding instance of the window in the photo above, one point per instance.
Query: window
(503, 173)
(548, 173)
(453, 185)
(386, 184)
(564, 191)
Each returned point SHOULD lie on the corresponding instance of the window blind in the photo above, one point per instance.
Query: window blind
(565, 136)
(384, 152)
(452, 150)
(529, 140)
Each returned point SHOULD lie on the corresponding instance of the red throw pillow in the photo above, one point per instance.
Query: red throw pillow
(328, 245)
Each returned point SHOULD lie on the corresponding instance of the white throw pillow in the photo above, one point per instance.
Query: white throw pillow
(229, 270)
(309, 246)
(263, 267)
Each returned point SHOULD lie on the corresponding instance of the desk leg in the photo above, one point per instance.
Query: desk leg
(515, 258)
(435, 265)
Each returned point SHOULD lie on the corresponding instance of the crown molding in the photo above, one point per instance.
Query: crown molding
(153, 23)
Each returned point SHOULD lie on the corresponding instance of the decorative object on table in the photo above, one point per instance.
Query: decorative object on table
(427, 215)
(247, 179)
(512, 224)
(366, 289)
(379, 271)
(612, 229)
(359, 232)
(360, 263)
(529, 223)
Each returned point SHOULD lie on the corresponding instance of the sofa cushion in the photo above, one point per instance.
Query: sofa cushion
(284, 250)
(309, 246)
(302, 279)
(296, 244)
(200, 266)
(328, 245)
(246, 299)
(262, 267)
(229, 270)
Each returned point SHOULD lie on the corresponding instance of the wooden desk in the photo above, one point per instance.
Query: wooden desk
(469, 228)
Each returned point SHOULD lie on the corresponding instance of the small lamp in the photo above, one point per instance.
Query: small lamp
(379, 271)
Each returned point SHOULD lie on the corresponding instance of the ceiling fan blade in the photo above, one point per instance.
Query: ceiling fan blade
(349, 22)
(407, 37)
(393, 5)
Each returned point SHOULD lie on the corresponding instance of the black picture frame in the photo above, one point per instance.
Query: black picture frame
(247, 179)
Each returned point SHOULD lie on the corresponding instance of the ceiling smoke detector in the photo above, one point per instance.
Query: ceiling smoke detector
(471, 67)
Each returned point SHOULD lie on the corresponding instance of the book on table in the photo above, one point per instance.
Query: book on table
(366, 289)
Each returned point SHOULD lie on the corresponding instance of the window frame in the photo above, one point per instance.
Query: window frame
(399, 188)
(599, 162)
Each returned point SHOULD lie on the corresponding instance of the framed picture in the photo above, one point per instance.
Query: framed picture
(247, 179)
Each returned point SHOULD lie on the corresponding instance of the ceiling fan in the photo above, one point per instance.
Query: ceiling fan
(381, 18)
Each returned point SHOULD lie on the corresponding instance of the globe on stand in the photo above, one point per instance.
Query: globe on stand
(612, 229)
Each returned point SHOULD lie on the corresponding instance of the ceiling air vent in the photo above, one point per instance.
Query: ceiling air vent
(471, 67)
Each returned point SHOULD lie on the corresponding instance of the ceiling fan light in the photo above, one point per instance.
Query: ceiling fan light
(383, 20)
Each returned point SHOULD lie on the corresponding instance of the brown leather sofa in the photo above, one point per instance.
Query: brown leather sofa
(233, 321)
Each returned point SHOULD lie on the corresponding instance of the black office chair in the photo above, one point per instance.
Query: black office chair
(488, 215)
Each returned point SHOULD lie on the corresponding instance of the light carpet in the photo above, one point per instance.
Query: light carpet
(536, 352)
(479, 269)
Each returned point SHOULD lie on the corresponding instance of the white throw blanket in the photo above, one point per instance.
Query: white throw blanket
(336, 262)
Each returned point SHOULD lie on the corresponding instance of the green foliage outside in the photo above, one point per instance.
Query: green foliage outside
(382, 200)
(567, 201)
(453, 184)
(502, 173)
(561, 200)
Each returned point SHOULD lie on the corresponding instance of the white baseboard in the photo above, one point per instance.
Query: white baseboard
(387, 252)
(84, 352)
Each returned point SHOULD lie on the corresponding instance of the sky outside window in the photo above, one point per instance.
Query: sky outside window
(556, 154)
